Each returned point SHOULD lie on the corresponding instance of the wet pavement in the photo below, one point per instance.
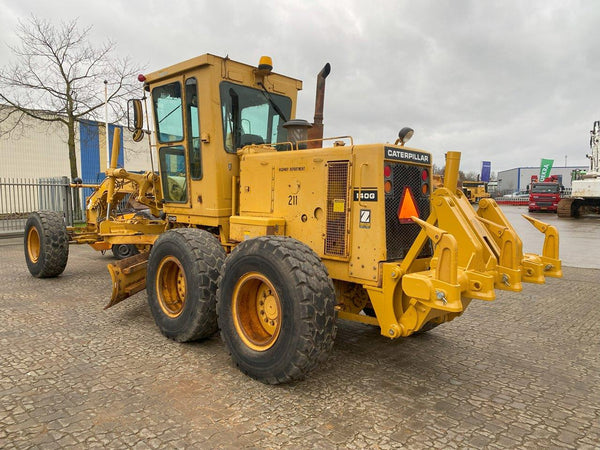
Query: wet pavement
(579, 238)
(519, 372)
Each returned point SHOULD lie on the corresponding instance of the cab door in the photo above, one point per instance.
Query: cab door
(167, 102)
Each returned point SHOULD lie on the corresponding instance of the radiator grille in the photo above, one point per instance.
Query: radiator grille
(336, 241)
(400, 236)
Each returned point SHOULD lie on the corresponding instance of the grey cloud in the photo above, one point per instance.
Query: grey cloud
(506, 81)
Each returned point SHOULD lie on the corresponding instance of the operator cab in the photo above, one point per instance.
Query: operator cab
(205, 110)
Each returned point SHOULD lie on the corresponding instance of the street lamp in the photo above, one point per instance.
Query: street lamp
(106, 122)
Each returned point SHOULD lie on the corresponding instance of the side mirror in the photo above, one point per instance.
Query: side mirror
(135, 106)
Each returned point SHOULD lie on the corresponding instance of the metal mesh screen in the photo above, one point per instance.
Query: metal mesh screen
(337, 209)
(400, 236)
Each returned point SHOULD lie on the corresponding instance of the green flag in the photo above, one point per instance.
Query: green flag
(545, 168)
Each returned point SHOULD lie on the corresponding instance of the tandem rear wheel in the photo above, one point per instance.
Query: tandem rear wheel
(275, 307)
(46, 244)
(183, 270)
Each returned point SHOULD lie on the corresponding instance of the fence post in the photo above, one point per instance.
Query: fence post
(67, 202)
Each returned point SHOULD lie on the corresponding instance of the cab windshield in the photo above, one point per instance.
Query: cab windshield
(545, 188)
(249, 116)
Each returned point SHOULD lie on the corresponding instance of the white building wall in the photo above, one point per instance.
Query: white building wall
(35, 150)
(39, 149)
(136, 156)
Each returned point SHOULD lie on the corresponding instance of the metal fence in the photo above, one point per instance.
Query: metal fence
(565, 192)
(21, 197)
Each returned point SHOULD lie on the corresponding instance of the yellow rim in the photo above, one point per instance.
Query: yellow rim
(171, 286)
(33, 244)
(256, 311)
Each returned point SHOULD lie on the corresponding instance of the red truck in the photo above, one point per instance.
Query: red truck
(544, 195)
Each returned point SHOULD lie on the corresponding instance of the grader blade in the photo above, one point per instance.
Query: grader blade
(128, 277)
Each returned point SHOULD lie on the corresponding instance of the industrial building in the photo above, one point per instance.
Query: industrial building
(37, 149)
(519, 178)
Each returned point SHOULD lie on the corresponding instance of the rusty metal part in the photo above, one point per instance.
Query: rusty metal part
(316, 132)
(350, 297)
(565, 207)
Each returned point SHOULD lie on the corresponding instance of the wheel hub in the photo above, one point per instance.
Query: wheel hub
(271, 308)
(256, 311)
(171, 286)
(33, 245)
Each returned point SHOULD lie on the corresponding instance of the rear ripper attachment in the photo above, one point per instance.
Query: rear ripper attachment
(473, 254)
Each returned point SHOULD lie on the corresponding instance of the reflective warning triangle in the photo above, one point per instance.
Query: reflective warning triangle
(408, 206)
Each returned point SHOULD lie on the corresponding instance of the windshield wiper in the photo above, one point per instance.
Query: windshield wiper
(267, 95)
(171, 112)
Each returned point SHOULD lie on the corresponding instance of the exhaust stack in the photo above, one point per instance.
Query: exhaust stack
(316, 132)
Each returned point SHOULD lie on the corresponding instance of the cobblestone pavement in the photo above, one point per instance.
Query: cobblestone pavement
(522, 371)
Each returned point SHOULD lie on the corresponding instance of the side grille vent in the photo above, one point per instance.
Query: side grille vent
(336, 241)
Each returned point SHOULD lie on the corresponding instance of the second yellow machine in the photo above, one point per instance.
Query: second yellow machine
(265, 230)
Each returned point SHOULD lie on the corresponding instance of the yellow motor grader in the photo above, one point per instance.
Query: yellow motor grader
(264, 230)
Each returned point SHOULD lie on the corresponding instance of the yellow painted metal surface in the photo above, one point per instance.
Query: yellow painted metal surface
(340, 201)
(247, 227)
(211, 196)
(474, 253)
(128, 277)
(257, 312)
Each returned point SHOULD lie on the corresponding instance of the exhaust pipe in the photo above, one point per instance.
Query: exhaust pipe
(316, 132)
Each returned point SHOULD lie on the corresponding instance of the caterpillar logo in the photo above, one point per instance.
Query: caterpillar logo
(407, 155)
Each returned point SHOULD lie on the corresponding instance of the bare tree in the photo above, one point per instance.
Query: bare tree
(58, 76)
(470, 176)
(440, 170)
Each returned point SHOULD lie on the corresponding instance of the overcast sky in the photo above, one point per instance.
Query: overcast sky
(507, 81)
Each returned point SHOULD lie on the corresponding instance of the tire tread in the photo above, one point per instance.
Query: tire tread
(208, 258)
(54, 244)
(318, 328)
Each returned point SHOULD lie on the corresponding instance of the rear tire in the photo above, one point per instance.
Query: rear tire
(183, 270)
(46, 244)
(275, 308)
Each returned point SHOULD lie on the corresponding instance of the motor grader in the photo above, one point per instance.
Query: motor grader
(264, 230)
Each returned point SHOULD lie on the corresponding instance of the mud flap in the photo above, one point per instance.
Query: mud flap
(128, 277)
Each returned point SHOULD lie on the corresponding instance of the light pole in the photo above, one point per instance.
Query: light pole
(106, 122)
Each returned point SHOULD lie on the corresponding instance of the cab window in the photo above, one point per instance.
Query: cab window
(252, 116)
(172, 174)
(168, 112)
(193, 128)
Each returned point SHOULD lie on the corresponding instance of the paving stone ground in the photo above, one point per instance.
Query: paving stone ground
(522, 371)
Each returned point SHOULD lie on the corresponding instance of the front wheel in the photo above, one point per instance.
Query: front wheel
(183, 270)
(275, 309)
(425, 328)
(46, 244)
(122, 251)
